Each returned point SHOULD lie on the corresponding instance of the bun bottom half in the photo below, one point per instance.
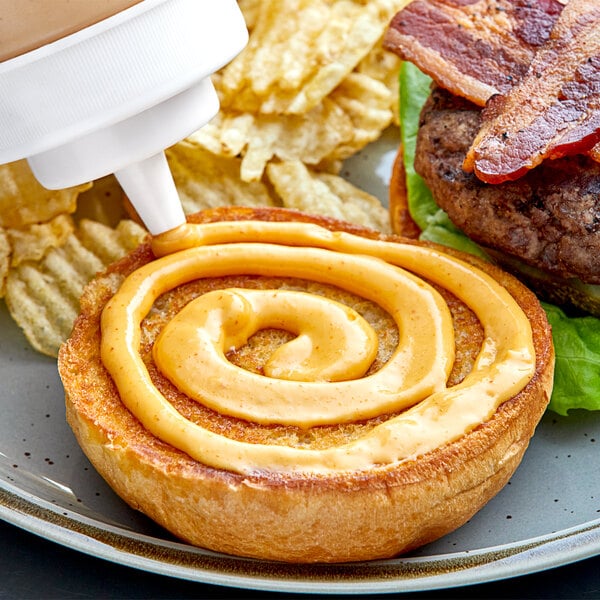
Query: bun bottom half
(360, 515)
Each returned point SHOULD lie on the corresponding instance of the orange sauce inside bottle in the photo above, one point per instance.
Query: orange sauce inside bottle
(26, 25)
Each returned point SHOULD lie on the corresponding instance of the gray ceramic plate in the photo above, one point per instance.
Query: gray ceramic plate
(549, 514)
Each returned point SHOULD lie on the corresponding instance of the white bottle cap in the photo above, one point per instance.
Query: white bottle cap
(111, 97)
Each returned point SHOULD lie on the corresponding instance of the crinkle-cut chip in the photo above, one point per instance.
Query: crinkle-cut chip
(226, 134)
(326, 194)
(259, 138)
(35, 241)
(311, 137)
(250, 9)
(359, 206)
(24, 201)
(360, 37)
(329, 165)
(300, 50)
(281, 39)
(42, 310)
(368, 104)
(43, 297)
(205, 180)
(353, 115)
(103, 202)
(384, 66)
(109, 248)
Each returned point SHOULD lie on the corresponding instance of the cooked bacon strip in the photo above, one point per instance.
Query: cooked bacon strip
(555, 109)
(473, 48)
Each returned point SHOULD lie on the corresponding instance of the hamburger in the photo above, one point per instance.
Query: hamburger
(461, 62)
(507, 140)
(417, 377)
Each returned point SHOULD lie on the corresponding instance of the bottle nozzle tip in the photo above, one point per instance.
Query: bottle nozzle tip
(151, 190)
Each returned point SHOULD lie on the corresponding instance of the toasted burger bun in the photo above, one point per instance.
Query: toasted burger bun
(401, 220)
(293, 516)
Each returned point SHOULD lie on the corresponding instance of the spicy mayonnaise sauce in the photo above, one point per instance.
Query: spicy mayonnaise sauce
(301, 391)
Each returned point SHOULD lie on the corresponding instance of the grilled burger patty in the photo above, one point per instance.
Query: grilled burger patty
(549, 219)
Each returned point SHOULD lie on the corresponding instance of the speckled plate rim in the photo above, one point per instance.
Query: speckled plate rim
(128, 548)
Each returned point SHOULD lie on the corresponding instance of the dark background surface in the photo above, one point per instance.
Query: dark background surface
(32, 567)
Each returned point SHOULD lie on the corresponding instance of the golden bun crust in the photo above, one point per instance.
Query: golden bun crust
(296, 518)
(400, 218)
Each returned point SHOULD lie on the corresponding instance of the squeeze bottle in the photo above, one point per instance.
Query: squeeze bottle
(93, 87)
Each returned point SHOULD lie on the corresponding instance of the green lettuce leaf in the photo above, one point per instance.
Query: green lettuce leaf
(577, 375)
(433, 221)
(576, 340)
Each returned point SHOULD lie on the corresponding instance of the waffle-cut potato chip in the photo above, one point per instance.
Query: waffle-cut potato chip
(225, 135)
(24, 201)
(381, 64)
(368, 104)
(250, 10)
(311, 137)
(35, 241)
(103, 202)
(326, 194)
(109, 248)
(300, 50)
(384, 66)
(43, 297)
(205, 180)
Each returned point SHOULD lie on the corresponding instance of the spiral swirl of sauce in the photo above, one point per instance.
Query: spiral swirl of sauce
(318, 377)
